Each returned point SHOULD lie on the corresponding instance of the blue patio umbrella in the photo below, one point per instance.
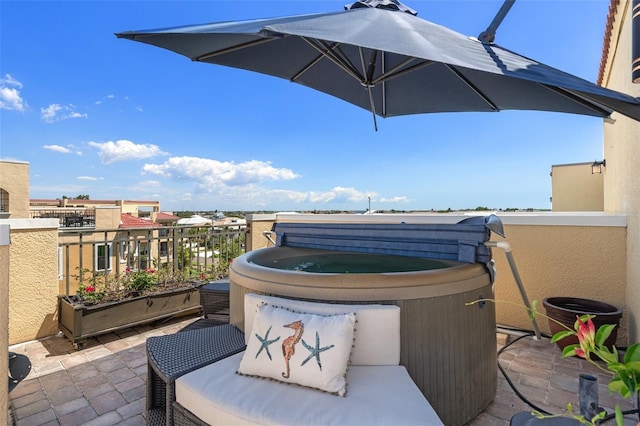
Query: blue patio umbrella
(381, 57)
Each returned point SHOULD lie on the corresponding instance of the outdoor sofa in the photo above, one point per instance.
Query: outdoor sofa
(314, 385)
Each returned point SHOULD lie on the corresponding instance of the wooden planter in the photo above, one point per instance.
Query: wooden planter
(79, 322)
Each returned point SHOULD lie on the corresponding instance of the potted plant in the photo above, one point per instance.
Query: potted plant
(107, 302)
(562, 312)
(593, 344)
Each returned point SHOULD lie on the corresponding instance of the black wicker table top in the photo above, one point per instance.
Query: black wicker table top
(177, 354)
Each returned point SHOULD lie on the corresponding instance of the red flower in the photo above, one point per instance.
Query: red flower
(90, 289)
(586, 337)
(202, 276)
(128, 270)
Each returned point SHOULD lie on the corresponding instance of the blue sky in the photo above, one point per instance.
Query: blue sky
(115, 119)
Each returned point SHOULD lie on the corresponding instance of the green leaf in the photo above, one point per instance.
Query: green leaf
(561, 335)
(569, 350)
(616, 385)
(619, 416)
(633, 353)
(607, 356)
(603, 333)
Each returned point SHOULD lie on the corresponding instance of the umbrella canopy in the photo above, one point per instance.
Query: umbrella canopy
(390, 62)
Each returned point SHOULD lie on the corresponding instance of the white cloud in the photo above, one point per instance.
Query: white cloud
(90, 178)
(209, 174)
(57, 148)
(150, 183)
(398, 199)
(110, 152)
(10, 97)
(57, 112)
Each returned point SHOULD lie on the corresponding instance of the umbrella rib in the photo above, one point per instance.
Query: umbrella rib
(330, 54)
(391, 74)
(233, 48)
(587, 103)
(472, 87)
(311, 64)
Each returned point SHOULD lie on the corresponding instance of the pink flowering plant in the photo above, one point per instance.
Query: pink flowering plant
(624, 370)
(96, 288)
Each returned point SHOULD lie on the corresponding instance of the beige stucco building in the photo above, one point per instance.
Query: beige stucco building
(576, 188)
(622, 148)
(14, 183)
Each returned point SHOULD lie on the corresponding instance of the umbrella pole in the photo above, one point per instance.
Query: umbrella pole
(488, 35)
(373, 110)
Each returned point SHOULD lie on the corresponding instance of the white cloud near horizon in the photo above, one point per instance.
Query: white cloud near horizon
(121, 150)
(10, 97)
(398, 199)
(208, 174)
(57, 148)
(90, 178)
(57, 112)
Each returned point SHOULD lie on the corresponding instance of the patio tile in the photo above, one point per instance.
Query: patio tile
(135, 393)
(41, 418)
(33, 408)
(120, 375)
(127, 385)
(107, 402)
(79, 417)
(135, 408)
(71, 406)
(109, 419)
(99, 390)
(134, 421)
(92, 382)
(64, 395)
(104, 383)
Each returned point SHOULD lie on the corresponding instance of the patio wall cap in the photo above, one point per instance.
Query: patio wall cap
(511, 218)
(31, 223)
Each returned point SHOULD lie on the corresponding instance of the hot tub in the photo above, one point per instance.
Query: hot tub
(448, 348)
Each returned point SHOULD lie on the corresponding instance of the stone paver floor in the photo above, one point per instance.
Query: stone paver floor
(104, 383)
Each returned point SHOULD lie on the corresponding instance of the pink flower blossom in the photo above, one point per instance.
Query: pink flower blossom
(202, 276)
(90, 289)
(586, 338)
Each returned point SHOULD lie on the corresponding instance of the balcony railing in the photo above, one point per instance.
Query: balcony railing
(69, 218)
(191, 250)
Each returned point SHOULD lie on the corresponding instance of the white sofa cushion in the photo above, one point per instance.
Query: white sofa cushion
(305, 349)
(377, 333)
(378, 395)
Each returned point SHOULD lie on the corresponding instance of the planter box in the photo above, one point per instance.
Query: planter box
(79, 322)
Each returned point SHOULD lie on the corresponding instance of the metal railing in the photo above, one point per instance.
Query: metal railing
(69, 218)
(188, 250)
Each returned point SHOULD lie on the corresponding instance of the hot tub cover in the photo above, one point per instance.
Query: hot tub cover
(462, 241)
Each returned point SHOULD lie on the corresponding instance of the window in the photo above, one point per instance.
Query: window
(4, 201)
(102, 257)
(164, 248)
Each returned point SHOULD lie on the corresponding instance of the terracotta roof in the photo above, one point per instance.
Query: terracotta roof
(129, 221)
(606, 44)
(166, 217)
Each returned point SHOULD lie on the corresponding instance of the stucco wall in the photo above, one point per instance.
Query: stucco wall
(34, 279)
(575, 189)
(622, 152)
(575, 261)
(4, 319)
(14, 178)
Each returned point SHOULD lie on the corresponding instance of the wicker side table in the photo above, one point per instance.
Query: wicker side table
(214, 297)
(172, 356)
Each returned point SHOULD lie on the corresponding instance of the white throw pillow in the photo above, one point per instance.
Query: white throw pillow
(305, 349)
